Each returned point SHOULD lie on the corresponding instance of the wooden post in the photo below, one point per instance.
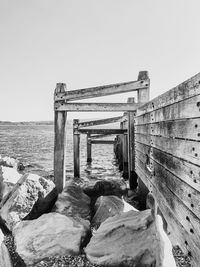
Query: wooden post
(89, 148)
(131, 148)
(76, 142)
(143, 96)
(125, 155)
(59, 142)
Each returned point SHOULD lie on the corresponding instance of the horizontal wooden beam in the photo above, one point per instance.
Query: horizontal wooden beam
(104, 90)
(103, 121)
(102, 131)
(96, 136)
(102, 142)
(95, 107)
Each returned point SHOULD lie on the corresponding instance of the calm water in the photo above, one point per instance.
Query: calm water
(33, 146)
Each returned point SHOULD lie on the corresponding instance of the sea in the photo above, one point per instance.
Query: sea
(33, 145)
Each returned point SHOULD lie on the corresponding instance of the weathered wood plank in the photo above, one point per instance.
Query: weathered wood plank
(96, 136)
(190, 222)
(187, 194)
(178, 235)
(186, 109)
(184, 149)
(104, 90)
(186, 171)
(103, 121)
(187, 89)
(185, 129)
(102, 131)
(59, 143)
(108, 142)
(76, 146)
(95, 107)
(143, 94)
(89, 148)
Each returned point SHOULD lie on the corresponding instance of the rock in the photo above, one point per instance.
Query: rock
(105, 188)
(128, 239)
(128, 207)
(105, 207)
(11, 162)
(29, 190)
(5, 260)
(50, 235)
(8, 177)
(73, 202)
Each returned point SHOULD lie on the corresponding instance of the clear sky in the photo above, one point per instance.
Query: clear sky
(86, 43)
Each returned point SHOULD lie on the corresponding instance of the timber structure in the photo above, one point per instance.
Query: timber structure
(157, 147)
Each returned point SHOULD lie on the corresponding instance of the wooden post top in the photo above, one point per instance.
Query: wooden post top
(60, 88)
(143, 75)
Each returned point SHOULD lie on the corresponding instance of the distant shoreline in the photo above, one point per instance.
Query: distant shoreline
(26, 123)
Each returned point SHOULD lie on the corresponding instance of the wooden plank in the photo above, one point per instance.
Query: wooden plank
(104, 90)
(186, 217)
(102, 131)
(89, 148)
(76, 146)
(185, 129)
(178, 235)
(184, 149)
(108, 142)
(186, 109)
(100, 122)
(96, 136)
(95, 107)
(187, 89)
(187, 194)
(186, 171)
(59, 143)
(143, 94)
(125, 155)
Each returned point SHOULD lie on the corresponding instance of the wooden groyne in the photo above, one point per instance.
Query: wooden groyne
(157, 147)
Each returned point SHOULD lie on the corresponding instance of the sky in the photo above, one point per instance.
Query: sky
(86, 43)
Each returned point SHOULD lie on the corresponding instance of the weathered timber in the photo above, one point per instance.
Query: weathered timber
(159, 174)
(94, 107)
(76, 141)
(108, 142)
(186, 109)
(89, 148)
(59, 142)
(131, 148)
(184, 149)
(102, 131)
(125, 155)
(178, 235)
(143, 94)
(104, 90)
(185, 216)
(102, 121)
(96, 136)
(186, 171)
(184, 129)
(187, 89)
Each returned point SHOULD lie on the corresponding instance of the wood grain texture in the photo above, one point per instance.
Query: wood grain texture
(95, 107)
(186, 109)
(104, 90)
(187, 89)
(101, 131)
(102, 121)
(108, 142)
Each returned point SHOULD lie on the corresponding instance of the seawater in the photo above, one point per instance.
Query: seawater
(33, 145)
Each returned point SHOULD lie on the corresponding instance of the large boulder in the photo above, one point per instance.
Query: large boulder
(73, 202)
(8, 178)
(105, 188)
(5, 260)
(30, 190)
(105, 207)
(11, 162)
(128, 239)
(52, 234)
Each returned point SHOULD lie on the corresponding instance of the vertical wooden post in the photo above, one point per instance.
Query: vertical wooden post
(143, 97)
(89, 148)
(59, 142)
(76, 143)
(131, 148)
(125, 155)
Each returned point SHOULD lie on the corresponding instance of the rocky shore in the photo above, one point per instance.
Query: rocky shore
(85, 225)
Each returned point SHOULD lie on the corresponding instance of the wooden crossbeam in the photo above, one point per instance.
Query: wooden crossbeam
(95, 107)
(102, 131)
(102, 142)
(104, 90)
(96, 136)
(102, 121)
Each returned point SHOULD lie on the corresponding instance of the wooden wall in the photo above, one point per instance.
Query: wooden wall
(167, 147)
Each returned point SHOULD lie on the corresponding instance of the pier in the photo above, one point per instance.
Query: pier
(157, 146)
